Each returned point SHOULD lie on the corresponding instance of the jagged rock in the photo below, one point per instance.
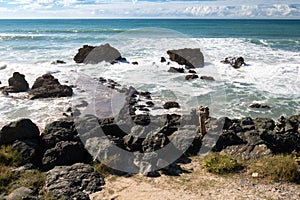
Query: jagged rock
(65, 153)
(94, 55)
(30, 150)
(58, 62)
(192, 71)
(154, 142)
(176, 70)
(191, 76)
(264, 124)
(20, 193)
(73, 182)
(192, 58)
(249, 151)
(227, 138)
(207, 78)
(234, 62)
(163, 59)
(47, 86)
(257, 105)
(17, 83)
(22, 129)
(171, 104)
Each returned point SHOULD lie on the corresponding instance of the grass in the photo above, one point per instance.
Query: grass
(277, 168)
(10, 157)
(222, 163)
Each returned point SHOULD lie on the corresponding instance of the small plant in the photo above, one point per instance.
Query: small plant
(276, 168)
(10, 157)
(222, 163)
(6, 178)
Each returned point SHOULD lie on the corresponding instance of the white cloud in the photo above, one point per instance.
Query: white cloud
(151, 9)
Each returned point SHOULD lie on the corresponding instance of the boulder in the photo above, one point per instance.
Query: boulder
(191, 76)
(207, 78)
(65, 153)
(47, 86)
(171, 104)
(176, 70)
(17, 83)
(258, 105)
(73, 182)
(154, 142)
(19, 130)
(94, 55)
(234, 62)
(20, 193)
(192, 58)
(163, 59)
(30, 150)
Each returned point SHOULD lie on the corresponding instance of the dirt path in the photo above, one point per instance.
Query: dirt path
(194, 186)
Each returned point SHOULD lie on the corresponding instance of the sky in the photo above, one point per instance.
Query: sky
(249, 9)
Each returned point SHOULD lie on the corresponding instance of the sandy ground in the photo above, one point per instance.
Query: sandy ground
(198, 184)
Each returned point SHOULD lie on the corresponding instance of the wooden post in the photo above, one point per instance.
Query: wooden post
(203, 116)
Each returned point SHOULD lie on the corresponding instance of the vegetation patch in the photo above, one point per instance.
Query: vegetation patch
(10, 157)
(222, 163)
(276, 168)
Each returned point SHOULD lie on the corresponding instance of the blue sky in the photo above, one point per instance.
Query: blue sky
(282, 9)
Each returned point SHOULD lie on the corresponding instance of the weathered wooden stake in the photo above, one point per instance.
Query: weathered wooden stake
(203, 116)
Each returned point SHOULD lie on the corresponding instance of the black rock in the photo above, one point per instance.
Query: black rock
(171, 104)
(162, 59)
(257, 105)
(207, 78)
(17, 83)
(192, 58)
(176, 70)
(191, 76)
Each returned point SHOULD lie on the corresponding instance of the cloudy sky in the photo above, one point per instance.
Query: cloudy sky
(283, 9)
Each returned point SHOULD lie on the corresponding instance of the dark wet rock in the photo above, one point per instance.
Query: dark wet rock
(163, 59)
(191, 76)
(207, 78)
(133, 143)
(65, 153)
(192, 71)
(94, 55)
(249, 151)
(257, 105)
(16, 83)
(171, 104)
(58, 62)
(192, 58)
(264, 124)
(47, 86)
(73, 182)
(150, 103)
(142, 119)
(251, 137)
(30, 150)
(176, 70)
(22, 129)
(234, 62)
(135, 63)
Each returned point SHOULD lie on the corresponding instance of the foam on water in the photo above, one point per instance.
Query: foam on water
(271, 77)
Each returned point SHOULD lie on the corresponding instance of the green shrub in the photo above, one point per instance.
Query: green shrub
(10, 157)
(222, 163)
(276, 168)
(6, 178)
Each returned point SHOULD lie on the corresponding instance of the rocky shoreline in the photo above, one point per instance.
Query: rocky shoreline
(67, 149)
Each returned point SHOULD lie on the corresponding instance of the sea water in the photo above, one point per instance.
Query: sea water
(270, 48)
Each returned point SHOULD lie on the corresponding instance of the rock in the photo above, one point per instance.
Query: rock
(73, 182)
(19, 130)
(17, 83)
(192, 71)
(154, 142)
(192, 58)
(176, 70)
(30, 150)
(191, 76)
(47, 86)
(65, 153)
(20, 193)
(171, 104)
(163, 59)
(207, 78)
(58, 62)
(94, 55)
(227, 138)
(142, 119)
(133, 143)
(249, 151)
(234, 62)
(264, 124)
(257, 105)
(135, 63)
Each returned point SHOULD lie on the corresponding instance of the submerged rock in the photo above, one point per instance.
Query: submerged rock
(258, 105)
(176, 70)
(234, 62)
(192, 58)
(191, 76)
(47, 86)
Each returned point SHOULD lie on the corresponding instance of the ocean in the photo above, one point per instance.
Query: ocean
(271, 49)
